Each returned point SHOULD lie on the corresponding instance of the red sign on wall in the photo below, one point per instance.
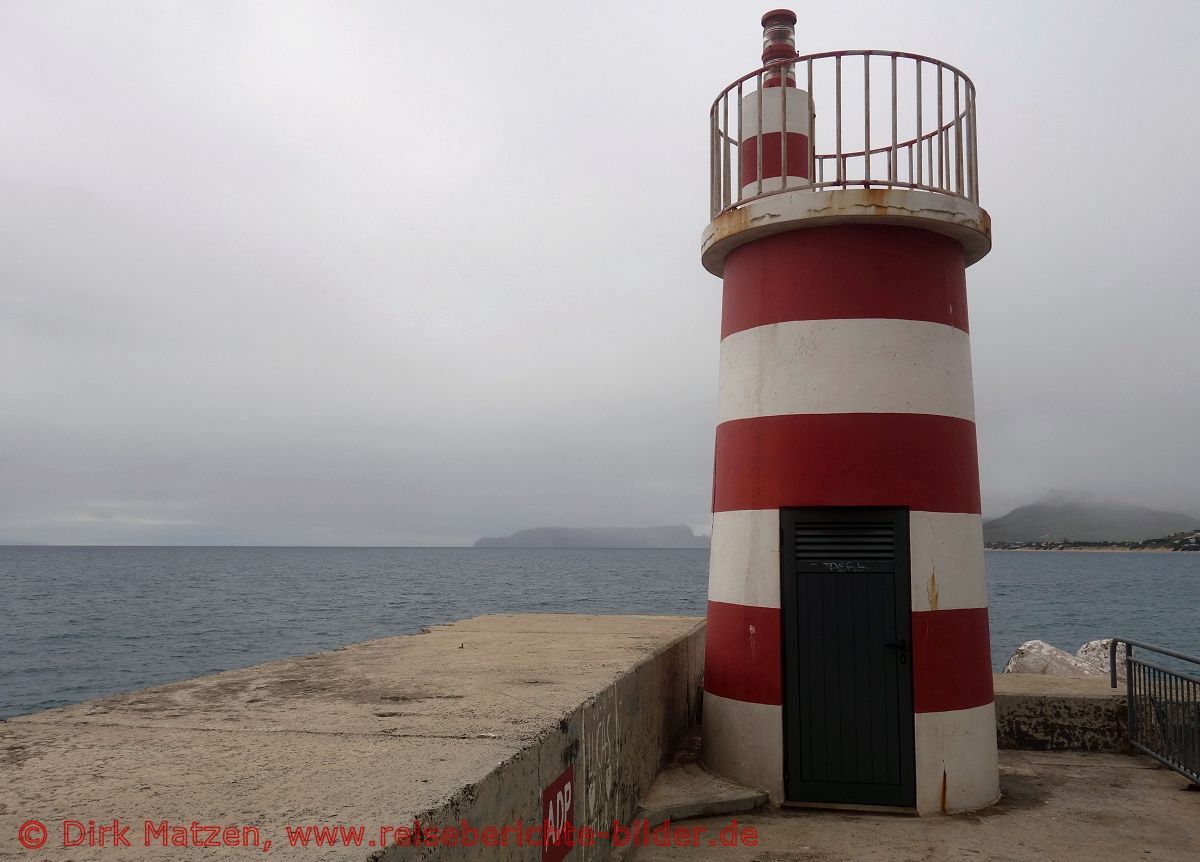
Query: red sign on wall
(558, 817)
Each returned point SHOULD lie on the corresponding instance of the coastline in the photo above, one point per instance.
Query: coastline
(1085, 550)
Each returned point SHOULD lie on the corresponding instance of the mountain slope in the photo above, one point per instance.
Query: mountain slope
(1063, 517)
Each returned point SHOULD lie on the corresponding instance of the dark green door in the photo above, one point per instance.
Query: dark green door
(848, 716)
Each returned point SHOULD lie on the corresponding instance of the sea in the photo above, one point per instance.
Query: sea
(78, 623)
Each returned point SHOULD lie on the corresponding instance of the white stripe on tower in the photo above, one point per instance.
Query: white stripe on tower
(956, 755)
(950, 543)
(745, 544)
(859, 365)
(753, 755)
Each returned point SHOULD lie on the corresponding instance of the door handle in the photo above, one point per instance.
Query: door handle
(902, 646)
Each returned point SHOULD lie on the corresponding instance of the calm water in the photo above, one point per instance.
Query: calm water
(78, 623)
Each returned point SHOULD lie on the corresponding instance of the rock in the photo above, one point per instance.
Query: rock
(1041, 657)
(1095, 653)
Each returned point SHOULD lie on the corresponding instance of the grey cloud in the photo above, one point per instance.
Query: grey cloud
(362, 273)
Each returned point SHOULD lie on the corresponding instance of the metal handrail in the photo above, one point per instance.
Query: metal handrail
(1129, 642)
(1163, 706)
(938, 154)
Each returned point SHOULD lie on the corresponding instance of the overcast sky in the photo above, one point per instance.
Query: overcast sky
(412, 273)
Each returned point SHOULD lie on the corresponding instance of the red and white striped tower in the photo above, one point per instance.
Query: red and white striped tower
(845, 381)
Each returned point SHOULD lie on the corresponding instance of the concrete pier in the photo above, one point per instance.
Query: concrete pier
(1055, 807)
(473, 720)
(490, 720)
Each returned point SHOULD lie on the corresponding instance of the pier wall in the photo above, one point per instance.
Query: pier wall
(614, 742)
(1054, 713)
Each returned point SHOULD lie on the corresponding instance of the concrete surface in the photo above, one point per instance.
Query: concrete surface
(1055, 713)
(686, 789)
(469, 720)
(1055, 807)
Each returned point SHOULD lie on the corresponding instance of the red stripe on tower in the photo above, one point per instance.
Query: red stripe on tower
(952, 660)
(845, 271)
(772, 157)
(923, 462)
(741, 653)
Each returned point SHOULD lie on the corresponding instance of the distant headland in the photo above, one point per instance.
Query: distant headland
(1063, 522)
(678, 536)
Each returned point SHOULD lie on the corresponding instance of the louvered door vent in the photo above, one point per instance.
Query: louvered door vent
(857, 546)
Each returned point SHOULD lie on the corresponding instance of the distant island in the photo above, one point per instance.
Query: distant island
(1063, 522)
(679, 536)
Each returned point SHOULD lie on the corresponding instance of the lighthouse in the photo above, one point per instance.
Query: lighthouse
(847, 659)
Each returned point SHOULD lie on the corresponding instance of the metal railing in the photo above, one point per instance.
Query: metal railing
(1164, 706)
(886, 119)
